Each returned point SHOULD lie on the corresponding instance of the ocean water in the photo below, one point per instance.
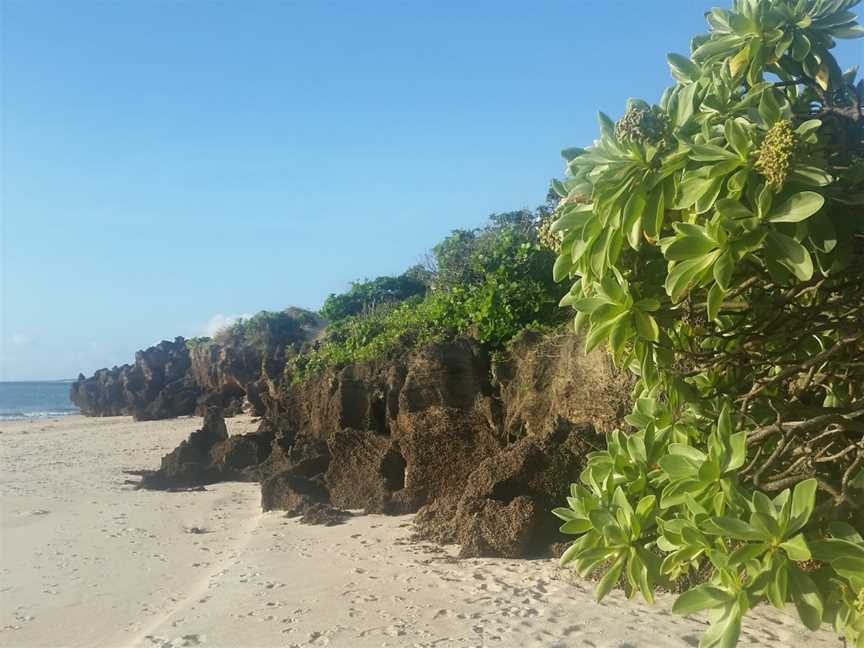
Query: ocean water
(24, 400)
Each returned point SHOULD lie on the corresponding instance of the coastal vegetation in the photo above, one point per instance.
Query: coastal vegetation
(714, 244)
(489, 283)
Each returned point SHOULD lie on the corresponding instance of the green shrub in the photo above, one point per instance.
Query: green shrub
(373, 335)
(489, 283)
(269, 330)
(720, 259)
(370, 294)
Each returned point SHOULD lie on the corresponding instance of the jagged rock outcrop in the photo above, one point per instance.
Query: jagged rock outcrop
(225, 373)
(178, 378)
(102, 394)
(189, 464)
(155, 386)
(397, 432)
(503, 509)
(210, 455)
(292, 493)
(484, 450)
(547, 376)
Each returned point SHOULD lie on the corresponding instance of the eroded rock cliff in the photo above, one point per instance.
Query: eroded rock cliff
(482, 449)
(183, 377)
(157, 385)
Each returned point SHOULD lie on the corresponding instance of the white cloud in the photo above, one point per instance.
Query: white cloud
(19, 339)
(220, 321)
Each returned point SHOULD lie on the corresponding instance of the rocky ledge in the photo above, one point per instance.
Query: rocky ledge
(480, 449)
(186, 377)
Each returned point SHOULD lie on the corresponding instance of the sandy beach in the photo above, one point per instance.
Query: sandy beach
(86, 560)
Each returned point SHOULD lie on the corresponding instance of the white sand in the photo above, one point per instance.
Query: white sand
(87, 561)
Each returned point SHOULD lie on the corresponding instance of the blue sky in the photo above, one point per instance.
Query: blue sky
(165, 163)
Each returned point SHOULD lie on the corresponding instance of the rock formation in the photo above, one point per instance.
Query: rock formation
(156, 386)
(503, 508)
(189, 464)
(482, 449)
(179, 378)
(209, 455)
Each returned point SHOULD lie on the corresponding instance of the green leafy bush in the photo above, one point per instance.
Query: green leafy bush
(270, 330)
(720, 259)
(368, 295)
(372, 335)
(503, 285)
(193, 342)
(489, 283)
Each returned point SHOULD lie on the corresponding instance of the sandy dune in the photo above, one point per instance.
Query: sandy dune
(87, 561)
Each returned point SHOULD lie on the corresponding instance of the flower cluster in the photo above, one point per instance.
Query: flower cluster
(775, 153)
(642, 125)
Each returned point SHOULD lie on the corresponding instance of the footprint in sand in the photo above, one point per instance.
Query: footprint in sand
(33, 512)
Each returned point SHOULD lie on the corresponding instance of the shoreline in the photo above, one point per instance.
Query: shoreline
(85, 560)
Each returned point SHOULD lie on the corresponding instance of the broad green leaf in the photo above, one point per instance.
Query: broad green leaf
(851, 31)
(683, 69)
(737, 137)
(588, 304)
(734, 528)
(561, 269)
(731, 208)
(803, 500)
(687, 451)
(689, 247)
(790, 254)
(649, 304)
(708, 198)
(724, 423)
(711, 153)
(645, 506)
(652, 218)
(570, 554)
(686, 96)
(646, 326)
(572, 153)
(686, 273)
(565, 514)
(715, 300)
(572, 219)
(633, 219)
(610, 578)
(806, 597)
(811, 176)
(715, 47)
(833, 548)
(747, 552)
(600, 334)
(778, 587)
(678, 467)
(796, 548)
(702, 597)
(849, 566)
(607, 126)
(769, 108)
(845, 531)
(579, 525)
(559, 188)
(738, 446)
(677, 492)
(798, 208)
(724, 269)
(692, 189)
